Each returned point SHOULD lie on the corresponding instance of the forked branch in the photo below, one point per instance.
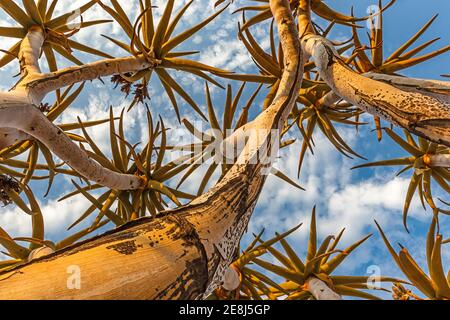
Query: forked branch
(184, 253)
(21, 119)
(418, 111)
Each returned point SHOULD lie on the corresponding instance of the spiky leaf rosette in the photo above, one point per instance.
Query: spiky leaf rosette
(311, 98)
(158, 41)
(215, 144)
(402, 58)
(58, 29)
(264, 13)
(435, 285)
(321, 261)
(359, 60)
(423, 170)
(120, 207)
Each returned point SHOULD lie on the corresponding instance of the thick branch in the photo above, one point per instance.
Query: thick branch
(46, 83)
(183, 253)
(20, 119)
(434, 88)
(30, 50)
(38, 85)
(320, 290)
(29, 53)
(9, 136)
(437, 160)
(16, 114)
(421, 113)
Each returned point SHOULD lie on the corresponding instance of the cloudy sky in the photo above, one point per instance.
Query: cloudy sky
(344, 198)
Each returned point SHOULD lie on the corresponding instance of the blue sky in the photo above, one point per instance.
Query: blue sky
(344, 198)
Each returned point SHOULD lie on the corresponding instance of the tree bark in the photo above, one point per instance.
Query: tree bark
(320, 290)
(19, 115)
(9, 136)
(184, 253)
(435, 88)
(437, 160)
(46, 83)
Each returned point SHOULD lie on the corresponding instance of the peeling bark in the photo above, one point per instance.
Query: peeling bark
(184, 253)
(434, 88)
(420, 112)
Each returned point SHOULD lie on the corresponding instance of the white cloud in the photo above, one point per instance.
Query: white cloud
(57, 216)
(356, 205)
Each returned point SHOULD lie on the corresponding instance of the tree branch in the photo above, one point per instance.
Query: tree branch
(418, 112)
(320, 290)
(30, 50)
(46, 83)
(16, 114)
(435, 88)
(437, 160)
(9, 136)
(38, 84)
(20, 119)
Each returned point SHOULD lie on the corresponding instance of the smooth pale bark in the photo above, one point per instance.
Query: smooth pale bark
(30, 49)
(437, 160)
(46, 83)
(231, 279)
(14, 113)
(9, 136)
(40, 252)
(38, 85)
(320, 290)
(183, 253)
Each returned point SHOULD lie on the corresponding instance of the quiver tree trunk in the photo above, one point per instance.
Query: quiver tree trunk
(181, 254)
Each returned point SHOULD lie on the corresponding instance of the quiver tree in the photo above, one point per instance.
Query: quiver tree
(191, 251)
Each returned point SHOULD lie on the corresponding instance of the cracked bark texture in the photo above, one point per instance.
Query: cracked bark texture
(184, 253)
(421, 109)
